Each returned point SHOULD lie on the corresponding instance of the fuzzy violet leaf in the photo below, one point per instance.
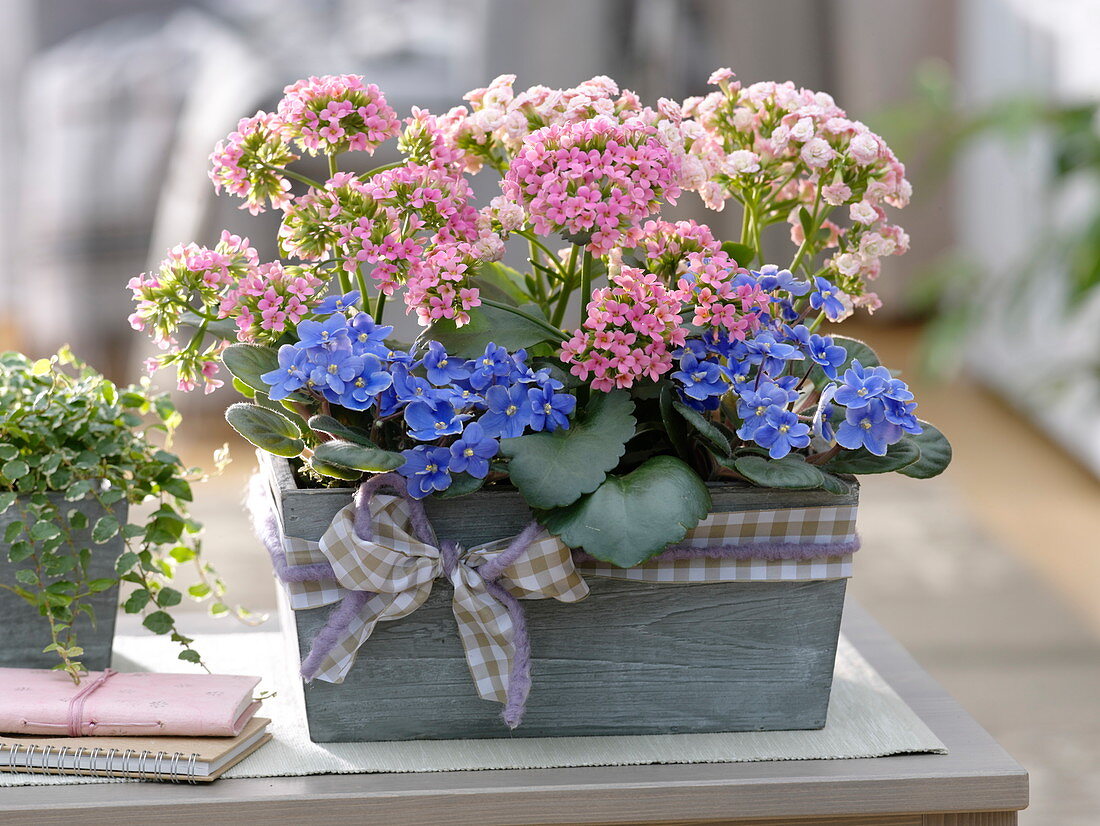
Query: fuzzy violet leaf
(247, 362)
(704, 427)
(333, 427)
(935, 453)
(791, 472)
(555, 469)
(357, 457)
(630, 518)
(862, 461)
(266, 429)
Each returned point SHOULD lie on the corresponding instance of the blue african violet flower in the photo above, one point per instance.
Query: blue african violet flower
(441, 368)
(771, 354)
(368, 337)
(781, 432)
(754, 405)
(291, 374)
(550, 410)
(867, 427)
(337, 303)
(472, 451)
(823, 414)
(901, 414)
(771, 278)
(494, 366)
(427, 469)
(410, 388)
(860, 385)
(362, 391)
(509, 412)
(830, 357)
(333, 369)
(700, 379)
(826, 297)
(331, 334)
(428, 421)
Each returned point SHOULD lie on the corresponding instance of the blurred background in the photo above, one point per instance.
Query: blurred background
(989, 574)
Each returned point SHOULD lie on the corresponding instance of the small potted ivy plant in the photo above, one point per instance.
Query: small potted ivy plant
(78, 455)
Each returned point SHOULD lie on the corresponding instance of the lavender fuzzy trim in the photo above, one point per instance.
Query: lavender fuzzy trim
(763, 550)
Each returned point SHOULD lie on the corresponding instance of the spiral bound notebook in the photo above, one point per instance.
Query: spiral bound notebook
(176, 759)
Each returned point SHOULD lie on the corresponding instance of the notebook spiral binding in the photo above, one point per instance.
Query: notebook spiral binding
(100, 761)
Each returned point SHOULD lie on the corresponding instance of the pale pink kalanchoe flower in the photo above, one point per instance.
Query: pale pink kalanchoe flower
(336, 113)
(593, 180)
(249, 161)
(630, 330)
(268, 300)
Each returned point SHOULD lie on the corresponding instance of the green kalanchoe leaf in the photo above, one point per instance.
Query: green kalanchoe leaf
(935, 453)
(555, 469)
(630, 518)
(862, 461)
(791, 472)
(857, 351)
(357, 457)
(743, 254)
(266, 429)
(488, 324)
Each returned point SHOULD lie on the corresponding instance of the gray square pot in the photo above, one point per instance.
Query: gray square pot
(632, 658)
(26, 632)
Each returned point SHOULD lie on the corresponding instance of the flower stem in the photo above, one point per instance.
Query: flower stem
(555, 332)
(378, 307)
(292, 174)
(586, 281)
(332, 169)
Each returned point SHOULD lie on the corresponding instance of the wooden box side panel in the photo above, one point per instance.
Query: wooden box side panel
(633, 658)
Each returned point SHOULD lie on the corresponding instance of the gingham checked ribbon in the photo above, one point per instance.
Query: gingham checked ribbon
(384, 555)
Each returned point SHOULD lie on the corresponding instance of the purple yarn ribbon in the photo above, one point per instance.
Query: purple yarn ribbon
(266, 525)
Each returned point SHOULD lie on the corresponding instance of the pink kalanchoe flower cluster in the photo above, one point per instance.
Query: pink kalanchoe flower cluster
(631, 329)
(438, 285)
(336, 113)
(189, 271)
(593, 181)
(796, 144)
(268, 299)
(248, 163)
(425, 142)
(666, 245)
(706, 288)
(166, 301)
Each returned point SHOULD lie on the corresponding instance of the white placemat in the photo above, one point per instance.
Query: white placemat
(866, 719)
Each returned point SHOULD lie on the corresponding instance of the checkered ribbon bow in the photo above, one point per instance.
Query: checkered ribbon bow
(383, 550)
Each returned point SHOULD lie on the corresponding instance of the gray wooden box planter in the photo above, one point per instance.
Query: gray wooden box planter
(632, 658)
(25, 631)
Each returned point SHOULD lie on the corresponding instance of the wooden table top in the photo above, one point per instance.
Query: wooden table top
(977, 775)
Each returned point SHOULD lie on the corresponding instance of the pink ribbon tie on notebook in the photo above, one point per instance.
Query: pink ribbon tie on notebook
(114, 704)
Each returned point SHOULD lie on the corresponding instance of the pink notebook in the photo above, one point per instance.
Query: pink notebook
(116, 704)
